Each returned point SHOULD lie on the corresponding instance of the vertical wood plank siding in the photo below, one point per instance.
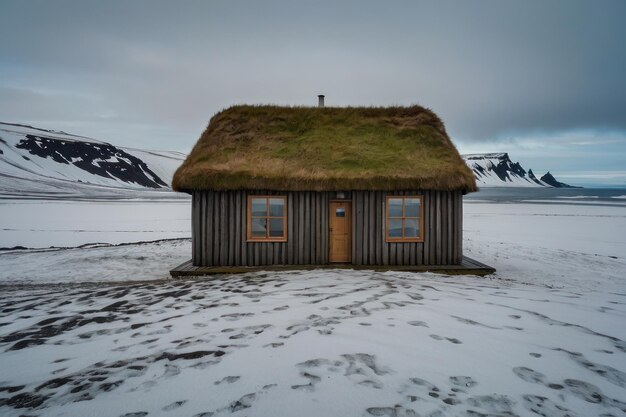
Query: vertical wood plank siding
(195, 228)
(459, 227)
(219, 222)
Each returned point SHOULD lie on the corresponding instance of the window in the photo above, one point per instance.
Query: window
(405, 221)
(267, 218)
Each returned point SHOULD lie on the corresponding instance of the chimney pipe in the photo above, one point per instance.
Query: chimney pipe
(320, 100)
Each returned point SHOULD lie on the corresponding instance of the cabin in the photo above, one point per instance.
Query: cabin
(278, 187)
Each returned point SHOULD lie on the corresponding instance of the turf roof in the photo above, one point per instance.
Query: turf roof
(324, 149)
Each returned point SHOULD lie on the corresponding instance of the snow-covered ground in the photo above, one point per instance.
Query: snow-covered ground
(94, 263)
(62, 223)
(585, 228)
(544, 336)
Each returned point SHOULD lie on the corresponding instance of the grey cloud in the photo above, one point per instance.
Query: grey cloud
(489, 68)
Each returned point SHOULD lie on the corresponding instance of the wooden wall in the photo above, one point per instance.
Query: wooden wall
(219, 230)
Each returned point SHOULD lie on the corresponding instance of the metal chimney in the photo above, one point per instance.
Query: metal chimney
(320, 100)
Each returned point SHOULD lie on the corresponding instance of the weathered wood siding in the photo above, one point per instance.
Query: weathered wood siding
(219, 230)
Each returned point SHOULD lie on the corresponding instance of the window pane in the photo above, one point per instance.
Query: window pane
(411, 207)
(340, 212)
(259, 206)
(411, 228)
(394, 208)
(276, 228)
(258, 227)
(277, 207)
(395, 228)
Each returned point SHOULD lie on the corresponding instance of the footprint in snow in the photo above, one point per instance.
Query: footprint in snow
(463, 381)
(174, 405)
(371, 384)
(449, 339)
(313, 380)
(227, 380)
(274, 345)
(529, 375)
(235, 316)
(418, 323)
(396, 411)
(495, 403)
(243, 402)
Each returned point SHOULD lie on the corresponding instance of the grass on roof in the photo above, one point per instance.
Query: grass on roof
(310, 148)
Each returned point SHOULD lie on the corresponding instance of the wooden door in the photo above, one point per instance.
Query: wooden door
(340, 222)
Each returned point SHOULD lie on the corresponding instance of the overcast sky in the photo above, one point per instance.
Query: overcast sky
(543, 80)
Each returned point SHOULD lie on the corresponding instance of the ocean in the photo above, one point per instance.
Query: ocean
(581, 196)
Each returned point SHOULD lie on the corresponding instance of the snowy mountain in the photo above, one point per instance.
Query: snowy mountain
(552, 182)
(44, 163)
(497, 170)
